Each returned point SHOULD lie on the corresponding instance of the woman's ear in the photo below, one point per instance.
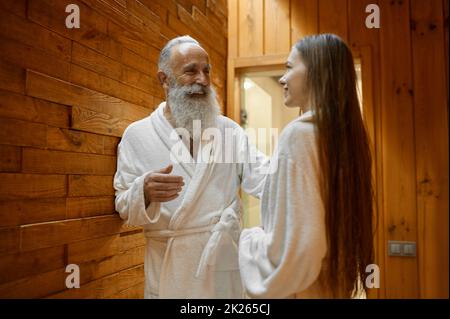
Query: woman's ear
(163, 79)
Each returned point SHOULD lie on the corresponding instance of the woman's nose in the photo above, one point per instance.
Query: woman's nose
(282, 80)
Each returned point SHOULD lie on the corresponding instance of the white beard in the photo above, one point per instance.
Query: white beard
(187, 108)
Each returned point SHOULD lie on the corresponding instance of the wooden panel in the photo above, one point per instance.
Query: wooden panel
(17, 132)
(131, 41)
(12, 77)
(359, 34)
(251, 23)
(10, 158)
(398, 146)
(9, 240)
(100, 268)
(148, 19)
(86, 185)
(94, 81)
(56, 233)
(66, 96)
(74, 141)
(89, 121)
(134, 292)
(276, 26)
(25, 211)
(14, 186)
(92, 31)
(17, 7)
(214, 32)
(181, 28)
(446, 36)
(145, 65)
(78, 207)
(141, 81)
(106, 286)
(170, 6)
(157, 9)
(20, 265)
(146, 30)
(216, 19)
(58, 162)
(100, 248)
(51, 89)
(431, 152)
(304, 19)
(32, 34)
(37, 286)
(218, 8)
(94, 61)
(21, 107)
(110, 145)
(333, 17)
(28, 57)
(233, 29)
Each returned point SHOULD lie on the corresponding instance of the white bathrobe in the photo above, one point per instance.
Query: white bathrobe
(192, 240)
(284, 257)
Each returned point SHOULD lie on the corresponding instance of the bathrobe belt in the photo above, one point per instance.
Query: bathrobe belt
(228, 222)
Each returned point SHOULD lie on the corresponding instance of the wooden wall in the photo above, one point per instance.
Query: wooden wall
(66, 95)
(409, 81)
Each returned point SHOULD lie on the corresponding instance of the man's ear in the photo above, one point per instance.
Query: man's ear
(163, 79)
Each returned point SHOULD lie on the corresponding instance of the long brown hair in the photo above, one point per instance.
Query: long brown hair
(345, 161)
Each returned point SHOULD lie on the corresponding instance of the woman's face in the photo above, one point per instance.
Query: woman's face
(294, 81)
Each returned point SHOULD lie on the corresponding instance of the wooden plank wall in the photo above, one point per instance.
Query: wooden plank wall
(66, 95)
(409, 56)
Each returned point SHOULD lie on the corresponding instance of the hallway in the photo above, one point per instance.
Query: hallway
(67, 95)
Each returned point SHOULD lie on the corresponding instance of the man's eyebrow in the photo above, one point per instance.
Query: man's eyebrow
(189, 66)
(192, 66)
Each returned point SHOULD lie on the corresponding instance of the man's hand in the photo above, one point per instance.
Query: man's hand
(160, 186)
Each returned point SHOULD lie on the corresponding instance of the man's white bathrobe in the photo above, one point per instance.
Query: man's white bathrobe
(192, 241)
(284, 257)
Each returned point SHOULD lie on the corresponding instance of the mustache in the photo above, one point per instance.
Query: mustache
(195, 89)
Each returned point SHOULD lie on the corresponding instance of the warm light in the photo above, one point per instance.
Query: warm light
(248, 84)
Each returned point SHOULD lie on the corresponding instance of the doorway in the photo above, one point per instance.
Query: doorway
(262, 110)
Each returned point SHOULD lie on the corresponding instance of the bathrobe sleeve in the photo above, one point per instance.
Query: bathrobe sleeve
(286, 256)
(254, 166)
(129, 186)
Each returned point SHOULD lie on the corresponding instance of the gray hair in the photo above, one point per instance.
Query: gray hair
(163, 63)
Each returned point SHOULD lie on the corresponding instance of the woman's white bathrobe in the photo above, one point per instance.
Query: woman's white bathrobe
(192, 240)
(284, 257)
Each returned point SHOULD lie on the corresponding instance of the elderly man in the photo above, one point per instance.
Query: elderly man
(188, 205)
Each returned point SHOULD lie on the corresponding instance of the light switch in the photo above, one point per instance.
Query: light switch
(394, 248)
(409, 249)
(401, 248)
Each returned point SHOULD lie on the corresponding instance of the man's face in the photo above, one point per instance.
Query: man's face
(190, 95)
(190, 65)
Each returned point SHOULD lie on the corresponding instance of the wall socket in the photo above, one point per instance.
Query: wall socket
(401, 248)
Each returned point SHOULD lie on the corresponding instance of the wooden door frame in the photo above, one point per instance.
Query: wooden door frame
(236, 67)
(371, 114)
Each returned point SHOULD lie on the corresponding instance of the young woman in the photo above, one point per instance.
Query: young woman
(316, 236)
